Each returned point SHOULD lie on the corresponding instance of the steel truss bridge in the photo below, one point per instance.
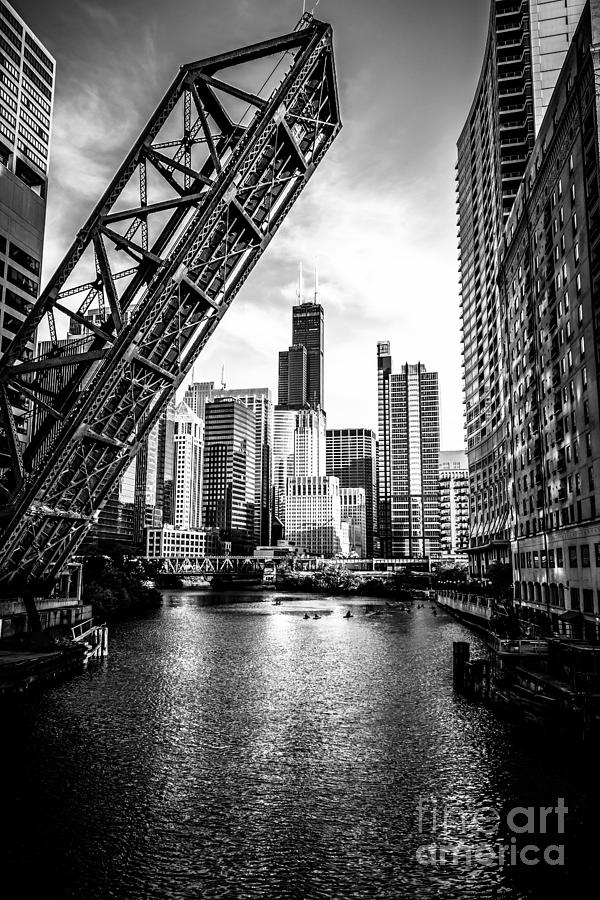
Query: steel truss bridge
(211, 565)
(240, 565)
(157, 264)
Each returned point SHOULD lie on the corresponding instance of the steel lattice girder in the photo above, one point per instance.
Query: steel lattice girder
(95, 399)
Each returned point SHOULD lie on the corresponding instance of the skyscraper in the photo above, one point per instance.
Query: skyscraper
(309, 442)
(229, 478)
(187, 480)
(525, 47)
(409, 447)
(284, 427)
(352, 458)
(301, 368)
(260, 402)
(154, 477)
(454, 503)
(27, 74)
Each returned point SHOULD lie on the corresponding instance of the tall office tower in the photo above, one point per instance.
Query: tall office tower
(301, 367)
(526, 44)
(352, 458)
(26, 95)
(313, 515)
(154, 477)
(549, 286)
(284, 427)
(353, 510)
(187, 480)
(259, 400)
(229, 479)
(454, 503)
(310, 442)
(409, 448)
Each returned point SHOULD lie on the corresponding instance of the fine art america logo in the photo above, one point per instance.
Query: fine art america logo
(522, 835)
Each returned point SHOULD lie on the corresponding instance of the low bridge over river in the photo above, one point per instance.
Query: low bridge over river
(245, 566)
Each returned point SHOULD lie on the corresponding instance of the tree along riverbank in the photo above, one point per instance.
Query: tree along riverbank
(117, 585)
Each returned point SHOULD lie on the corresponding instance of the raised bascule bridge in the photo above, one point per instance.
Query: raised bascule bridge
(146, 281)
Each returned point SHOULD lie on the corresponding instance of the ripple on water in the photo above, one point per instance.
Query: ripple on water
(242, 751)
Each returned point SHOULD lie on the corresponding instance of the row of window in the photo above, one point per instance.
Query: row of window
(537, 559)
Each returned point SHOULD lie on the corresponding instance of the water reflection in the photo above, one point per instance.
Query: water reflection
(240, 750)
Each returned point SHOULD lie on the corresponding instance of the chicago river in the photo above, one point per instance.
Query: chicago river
(242, 750)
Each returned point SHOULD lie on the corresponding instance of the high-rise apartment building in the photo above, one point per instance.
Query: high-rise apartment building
(409, 447)
(454, 504)
(301, 366)
(352, 458)
(187, 481)
(526, 44)
(27, 73)
(313, 515)
(229, 479)
(549, 286)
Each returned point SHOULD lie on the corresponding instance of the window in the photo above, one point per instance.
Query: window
(586, 411)
(559, 558)
(551, 558)
(576, 251)
(536, 559)
(582, 346)
(588, 444)
(575, 598)
(573, 557)
(584, 378)
(588, 600)
(597, 552)
(585, 556)
(578, 283)
(573, 193)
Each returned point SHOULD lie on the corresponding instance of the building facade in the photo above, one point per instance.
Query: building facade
(27, 73)
(284, 427)
(313, 515)
(354, 514)
(170, 542)
(526, 44)
(352, 459)
(409, 447)
(454, 505)
(187, 473)
(310, 445)
(229, 477)
(259, 401)
(549, 282)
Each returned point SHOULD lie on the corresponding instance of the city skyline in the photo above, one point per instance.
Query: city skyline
(357, 228)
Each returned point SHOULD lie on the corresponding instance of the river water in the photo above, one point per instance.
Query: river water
(238, 750)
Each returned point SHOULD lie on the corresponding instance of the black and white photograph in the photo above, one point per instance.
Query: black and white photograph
(301, 602)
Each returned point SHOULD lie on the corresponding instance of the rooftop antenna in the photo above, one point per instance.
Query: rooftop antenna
(223, 385)
(316, 298)
(300, 290)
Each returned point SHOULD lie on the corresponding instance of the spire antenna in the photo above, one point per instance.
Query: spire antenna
(316, 297)
(300, 291)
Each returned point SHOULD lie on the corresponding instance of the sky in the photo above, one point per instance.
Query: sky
(378, 218)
